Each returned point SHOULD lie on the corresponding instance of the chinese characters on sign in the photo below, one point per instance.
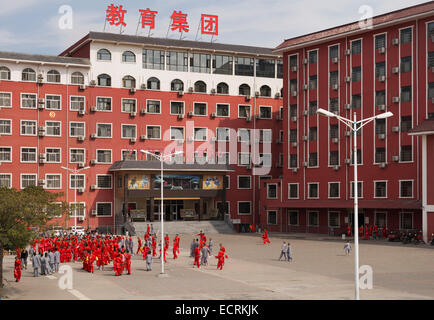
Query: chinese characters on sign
(209, 23)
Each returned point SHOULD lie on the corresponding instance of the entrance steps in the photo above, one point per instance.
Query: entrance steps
(184, 227)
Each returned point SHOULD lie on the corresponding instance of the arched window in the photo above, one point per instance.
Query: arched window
(104, 54)
(177, 85)
(128, 56)
(265, 91)
(222, 88)
(77, 78)
(5, 73)
(28, 75)
(153, 83)
(199, 86)
(53, 76)
(128, 82)
(244, 90)
(104, 80)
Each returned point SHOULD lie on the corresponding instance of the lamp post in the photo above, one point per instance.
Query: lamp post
(161, 158)
(75, 171)
(355, 126)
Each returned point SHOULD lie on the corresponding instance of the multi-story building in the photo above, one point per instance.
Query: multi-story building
(363, 71)
(108, 96)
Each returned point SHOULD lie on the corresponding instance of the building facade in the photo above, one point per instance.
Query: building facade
(364, 72)
(97, 104)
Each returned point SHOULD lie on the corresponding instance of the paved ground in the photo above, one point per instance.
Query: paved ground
(320, 270)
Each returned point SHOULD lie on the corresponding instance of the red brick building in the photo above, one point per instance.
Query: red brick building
(346, 69)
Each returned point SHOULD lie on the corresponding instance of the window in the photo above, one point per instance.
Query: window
(313, 133)
(293, 60)
(380, 41)
(153, 59)
(200, 109)
(177, 85)
(293, 161)
(380, 219)
(244, 66)
(28, 128)
(128, 56)
(293, 218)
(334, 51)
(380, 189)
(312, 190)
(53, 181)
(313, 57)
(406, 94)
(359, 156)
(6, 180)
(176, 107)
(223, 158)
(222, 65)
(265, 135)
(200, 86)
(380, 98)
(104, 80)
(5, 99)
(177, 133)
(406, 35)
(265, 159)
(266, 68)
(334, 158)
(77, 78)
(128, 82)
(28, 101)
(380, 155)
(280, 71)
(430, 90)
(243, 158)
(28, 154)
(313, 82)
(244, 135)
(53, 102)
(244, 207)
(200, 62)
(104, 104)
(128, 105)
(243, 111)
(104, 130)
(313, 218)
(5, 154)
(76, 181)
(78, 209)
(334, 77)
(356, 74)
(177, 61)
(53, 76)
(293, 135)
(406, 153)
(28, 180)
(272, 217)
(293, 85)
(76, 155)
(153, 132)
(244, 90)
(222, 134)
(76, 129)
(153, 84)
(77, 103)
(292, 190)
(334, 131)
(380, 69)
(5, 127)
(104, 181)
(430, 59)
(104, 209)
(222, 88)
(153, 106)
(265, 112)
(129, 155)
(244, 182)
(313, 159)
(200, 134)
(406, 189)
(359, 189)
(293, 110)
(380, 126)
(53, 128)
(53, 155)
(28, 75)
(405, 64)
(222, 110)
(271, 191)
(430, 31)
(5, 73)
(406, 220)
(312, 107)
(334, 219)
(356, 101)
(128, 131)
(356, 47)
(103, 156)
(104, 54)
(406, 123)
(265, 91)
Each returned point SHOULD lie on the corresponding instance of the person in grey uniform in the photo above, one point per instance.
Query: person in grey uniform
(48, 270)
(56, 260)
(149, 261)
(210, 244)
(152, 228)
(204, 257)
(36, 262)
(289, 252)
(43, 265)
(51, 259)
(31, 252)
(131, 246)
(283, 251)
(192, 247)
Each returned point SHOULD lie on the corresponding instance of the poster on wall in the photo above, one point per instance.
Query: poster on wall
(138, 182)
(212, 182)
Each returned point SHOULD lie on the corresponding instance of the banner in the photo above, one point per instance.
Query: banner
(212, 182)
(138, 182)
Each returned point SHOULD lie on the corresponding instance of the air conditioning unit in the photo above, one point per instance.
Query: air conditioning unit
(395, 158)
(335, 60)
(381, 136)
(395, 70)
(189, 114)
(305, 61)
(93, 212)
(347, 79)
(213, 91)
(93, 109)
(42, 155)
(180, 93)
(41, 128)
(294, 144)
(190, 90)
(305, 112)
(382, 165)
(382, 50)
(336, 168)
(143, 86)
(41, 106)
(82, 87)
(81, 218)
(93, 136)
(180, 116)
(41, 133)
(143, 137)
(347, 133)
(294, 170)
(381, 107)
(40, 78)
(247, 98)
(80, 138)
(92, 83)
(42, 160)
(395, 129)
(382, 78)
(133, 114)
(347, 106)
(395, 41)
(305, 138)
(305, 163)
(81, 112)
(335, 87)
(133, 140)
(256, 94)
(93, 187)
(41, 100)
(81, 164)
(143, 111)
(347, 161)
(277, 95)
(213, 115)
(133, 90)
(294, 93)
(41, 182)
(335, 140)
(294, 68)
(294, 119)
(93, 162)
(305, 86)
(347, 52)
(395, 99)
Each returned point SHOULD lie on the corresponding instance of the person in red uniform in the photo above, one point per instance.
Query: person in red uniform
(370, 232)
(196, 257)
(361, 231)
(175, 249)
(17, 269)
(265, 237)
(384, 232)
(376, 231)
(367, 233)
(128, 261)
(221, 259)
(154, 246)
(348, 231)
(166, 241)
(92, 258)
(145, 250)
(139, 245)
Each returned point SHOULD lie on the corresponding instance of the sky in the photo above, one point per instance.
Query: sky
(32, 26)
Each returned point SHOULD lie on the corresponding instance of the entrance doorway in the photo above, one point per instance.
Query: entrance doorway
(361, 218)
(171, 209)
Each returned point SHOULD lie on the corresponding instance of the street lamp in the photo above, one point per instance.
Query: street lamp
(75, 171)
(354, 126)
(161, 158)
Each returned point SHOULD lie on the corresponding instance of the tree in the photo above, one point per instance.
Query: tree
(20, 212)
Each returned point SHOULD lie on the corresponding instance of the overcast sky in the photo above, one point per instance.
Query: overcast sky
(31, 26)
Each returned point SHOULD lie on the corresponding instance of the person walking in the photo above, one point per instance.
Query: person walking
(347, 248)
(149, 261)
(283, 251)
(52, 260)
(36, 262)
(24, 256)
(205, 254)
(17, 269)
(56, 260)
(192, 247)
(210, 244)
(43, 265)
(289, 252)
(48, 270)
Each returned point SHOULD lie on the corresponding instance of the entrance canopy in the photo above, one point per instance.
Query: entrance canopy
(154, 165)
